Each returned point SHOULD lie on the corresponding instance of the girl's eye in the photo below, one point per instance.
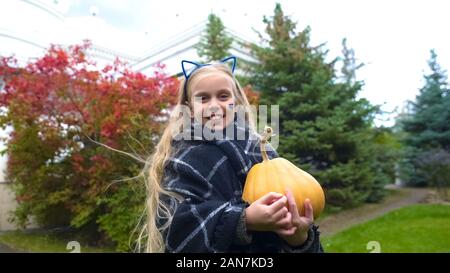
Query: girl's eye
(224, 96)
(202, 98)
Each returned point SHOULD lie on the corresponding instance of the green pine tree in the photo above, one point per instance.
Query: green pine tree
(427, 125)
(215, 43)
(350, 65)
(324, 128)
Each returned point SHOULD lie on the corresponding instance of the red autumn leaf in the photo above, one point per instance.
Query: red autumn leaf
(59, 106)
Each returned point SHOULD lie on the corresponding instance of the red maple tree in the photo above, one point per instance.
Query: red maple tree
(57, 108)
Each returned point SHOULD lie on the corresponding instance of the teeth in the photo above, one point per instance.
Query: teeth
(216, 117)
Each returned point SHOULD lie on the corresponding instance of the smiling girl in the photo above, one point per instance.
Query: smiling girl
(196, 175)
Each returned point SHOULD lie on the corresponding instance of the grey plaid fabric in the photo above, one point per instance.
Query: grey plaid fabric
(210, 175)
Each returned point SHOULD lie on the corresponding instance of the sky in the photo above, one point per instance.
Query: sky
(392, 38)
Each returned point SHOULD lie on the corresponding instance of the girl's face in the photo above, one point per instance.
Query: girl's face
(213, 100)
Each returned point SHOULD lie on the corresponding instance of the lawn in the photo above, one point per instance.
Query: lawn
(43, 243)
(413, 229)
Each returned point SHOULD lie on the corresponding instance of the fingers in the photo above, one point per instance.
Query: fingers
(286, 222)
(292, 205)
(287, 232)
(296, 219)
(269, 198)
(278, 205)
(309, 213)
(280, 214)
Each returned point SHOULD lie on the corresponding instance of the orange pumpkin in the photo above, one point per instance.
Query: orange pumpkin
(279, 175)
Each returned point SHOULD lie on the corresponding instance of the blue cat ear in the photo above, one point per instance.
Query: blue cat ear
(187, 72)
(231, 59)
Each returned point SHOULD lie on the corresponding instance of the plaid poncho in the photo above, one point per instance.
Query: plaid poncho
(210, 176)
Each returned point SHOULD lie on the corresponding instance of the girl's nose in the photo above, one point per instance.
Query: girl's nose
(213, 105)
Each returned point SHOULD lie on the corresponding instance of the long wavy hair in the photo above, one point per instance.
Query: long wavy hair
(150, 237)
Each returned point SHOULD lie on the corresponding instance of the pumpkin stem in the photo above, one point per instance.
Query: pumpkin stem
(265, 137)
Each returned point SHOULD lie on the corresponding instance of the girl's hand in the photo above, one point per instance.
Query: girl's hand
(297, 233)
(268, 213)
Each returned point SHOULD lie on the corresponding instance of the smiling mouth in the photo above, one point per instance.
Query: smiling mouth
(215, 117)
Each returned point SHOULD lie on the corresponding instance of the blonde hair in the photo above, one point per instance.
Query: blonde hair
(151, 236)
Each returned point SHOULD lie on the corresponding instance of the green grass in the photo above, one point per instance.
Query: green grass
(43, 243)
(413, 229)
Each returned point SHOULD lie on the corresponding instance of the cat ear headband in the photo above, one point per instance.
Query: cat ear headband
(188, 72)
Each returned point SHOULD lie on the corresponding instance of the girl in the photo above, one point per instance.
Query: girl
(195, 182)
